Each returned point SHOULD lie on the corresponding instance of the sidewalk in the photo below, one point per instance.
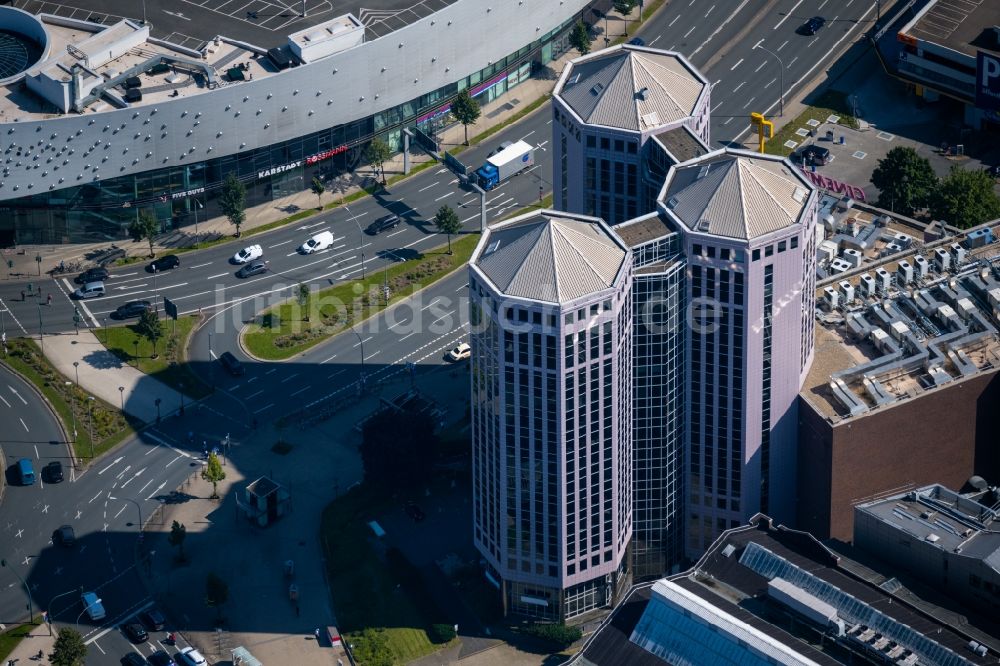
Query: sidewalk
(101, 373)
(495, 113)
(26, 651)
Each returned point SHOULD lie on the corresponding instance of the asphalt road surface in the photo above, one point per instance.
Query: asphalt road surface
(418, 332)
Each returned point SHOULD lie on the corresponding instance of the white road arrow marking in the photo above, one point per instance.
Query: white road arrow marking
(116, 461)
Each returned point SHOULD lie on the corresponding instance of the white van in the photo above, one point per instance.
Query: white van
(320, 241)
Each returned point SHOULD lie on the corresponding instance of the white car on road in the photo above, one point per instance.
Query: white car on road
(191, 657)
(248, 253)
(463, 351)
(320, 241)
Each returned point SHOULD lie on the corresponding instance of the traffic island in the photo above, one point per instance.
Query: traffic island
(311, 317)
(164, 359)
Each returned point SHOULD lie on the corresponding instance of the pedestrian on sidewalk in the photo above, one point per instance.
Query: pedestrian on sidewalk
(22, 295)
(48, 300)
(39, 291)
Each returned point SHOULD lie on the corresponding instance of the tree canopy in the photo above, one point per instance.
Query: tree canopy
(579, 38)
(377, 154)
(233, 201)
(965, 198)
(447, 222)
(466, 109)
(150, 327)
(905, 180)
(69, 648)
(144, 228)
(318, 188)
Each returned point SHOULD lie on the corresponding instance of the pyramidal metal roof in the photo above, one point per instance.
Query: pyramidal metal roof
(736, 194)
(549, 257)
(631, 88)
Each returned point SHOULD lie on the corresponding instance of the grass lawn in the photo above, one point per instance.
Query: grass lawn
(293, 327)
(169, 364)
(12, 637)
(365, 591)
(830, 103)
(70, 403)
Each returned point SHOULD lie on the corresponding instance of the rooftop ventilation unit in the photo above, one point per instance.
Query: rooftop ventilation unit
(641, 93)
(933, 538)
(703, 171)
(672, 203)
(573, 80)
(596, 90)
(799, 195)
(651, 119)
(704, 224)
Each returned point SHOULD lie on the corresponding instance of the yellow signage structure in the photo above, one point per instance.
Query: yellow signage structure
(764, 127)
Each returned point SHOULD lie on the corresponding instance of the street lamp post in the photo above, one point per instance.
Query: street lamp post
(90, 404)
(362, 343)
(197, 205)
(155, 308)
(27, 590)
(136, 341)
(137, 506)
(157, 402)
(362, 246)
(180, 389)
(72, 409)
(781, 78)
(121, 392)
(76, 369)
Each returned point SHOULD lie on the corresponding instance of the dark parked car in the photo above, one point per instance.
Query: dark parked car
(136, 633)
(92, 275)
(154, 619)
(131, 309)
(232, 364)
(814, 154)
(414, 512)
(134, 659)
(161, 658)
(65, 535)
(54, 472)
(164, 263)
(812, 26)
(383, 223)
(253, 268)
(637, 41)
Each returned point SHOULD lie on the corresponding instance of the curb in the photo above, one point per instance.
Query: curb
(52, 413)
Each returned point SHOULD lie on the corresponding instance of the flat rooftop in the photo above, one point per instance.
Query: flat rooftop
(264, 23)
(893, 321)
(642, 230)
(734, 576)
(944, 518)
(961, 25)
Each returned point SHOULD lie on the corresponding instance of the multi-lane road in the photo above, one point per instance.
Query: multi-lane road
(719, 38)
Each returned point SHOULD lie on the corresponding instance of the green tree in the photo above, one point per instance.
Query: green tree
(69, 649)
(625, 7)
(233, 201)
(216, 593)
(144, 228)
(178, 532)
(965, 198)
(579, 38)
(558, 635)
(904, 180)
(318, 188)
(302, 296)
(447, 222)
(377, 154)
(466, 109)
(213, 473)
(397, 450)
(371, 648)
(150, 327)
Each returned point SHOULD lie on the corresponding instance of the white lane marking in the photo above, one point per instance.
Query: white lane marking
(461, 287)
(768, 84)
(121, 510)
(792, 61)
(289, 377)
(742, 83)
(787, 14)
(148, 482)
(168, 465)
(783, 45)
(252, 395)
(427, 187)
(721, 26)
(4, 400)
(670, 25)
(363, 341)
(209, 263)
(173, 286)
(445, 196)
(270, 371)
(113, 463)
(401, 231)
(760, 67)
(212, 277)
(749, 102)
(158, 489)
(14, 391)
(689, 32)
(149, 433)
(329, 359)
(709, 11)
(268, 406)
(305, 388)
(94, 497)
(738, 63)
(27, 430)
(655, 39)
(270, 247)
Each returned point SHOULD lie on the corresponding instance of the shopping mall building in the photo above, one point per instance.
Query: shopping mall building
(101, 120)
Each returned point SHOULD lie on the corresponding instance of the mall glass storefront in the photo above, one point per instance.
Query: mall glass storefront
(179, 196)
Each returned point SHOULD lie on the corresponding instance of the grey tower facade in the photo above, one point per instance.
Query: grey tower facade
(621, 117)
(551, 412)
(748, 227)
